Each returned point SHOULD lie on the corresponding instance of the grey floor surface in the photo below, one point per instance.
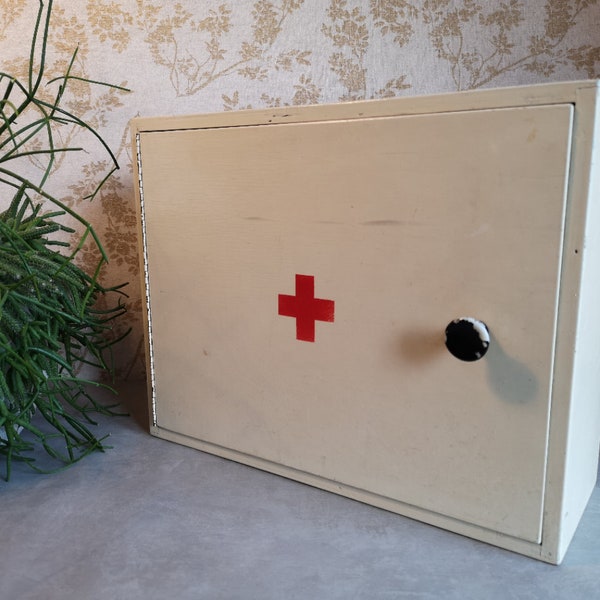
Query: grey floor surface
(150, 519)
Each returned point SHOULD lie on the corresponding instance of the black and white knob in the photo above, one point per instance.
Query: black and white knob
(467, 339)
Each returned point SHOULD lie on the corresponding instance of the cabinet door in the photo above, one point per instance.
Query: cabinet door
(396, 225)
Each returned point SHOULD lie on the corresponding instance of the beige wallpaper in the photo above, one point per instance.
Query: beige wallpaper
(217, 55)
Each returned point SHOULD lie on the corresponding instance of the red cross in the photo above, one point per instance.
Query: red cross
(305, 308)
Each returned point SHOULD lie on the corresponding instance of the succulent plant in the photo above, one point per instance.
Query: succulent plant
(54, 315)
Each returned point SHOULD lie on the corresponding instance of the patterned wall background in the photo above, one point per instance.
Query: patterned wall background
(197, 56)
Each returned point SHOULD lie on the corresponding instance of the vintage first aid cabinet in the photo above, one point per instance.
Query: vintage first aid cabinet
(394, 300)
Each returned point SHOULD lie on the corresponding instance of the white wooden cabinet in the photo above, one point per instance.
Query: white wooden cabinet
(301, 266)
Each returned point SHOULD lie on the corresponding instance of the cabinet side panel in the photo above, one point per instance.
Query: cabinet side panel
(574, 460)
(142, 253)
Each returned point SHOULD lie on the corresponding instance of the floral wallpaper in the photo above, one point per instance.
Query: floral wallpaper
(195, 56)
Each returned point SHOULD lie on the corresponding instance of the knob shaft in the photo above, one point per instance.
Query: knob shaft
(467, 339)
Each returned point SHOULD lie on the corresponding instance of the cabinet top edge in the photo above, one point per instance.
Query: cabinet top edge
(492, 98)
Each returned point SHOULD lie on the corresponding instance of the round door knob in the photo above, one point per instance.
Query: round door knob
(467, 339)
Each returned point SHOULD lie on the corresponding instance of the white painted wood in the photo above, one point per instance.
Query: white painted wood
(406, 222)
(575, 423)
(509, 97)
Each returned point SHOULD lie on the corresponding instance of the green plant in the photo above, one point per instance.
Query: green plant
(51, 322)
